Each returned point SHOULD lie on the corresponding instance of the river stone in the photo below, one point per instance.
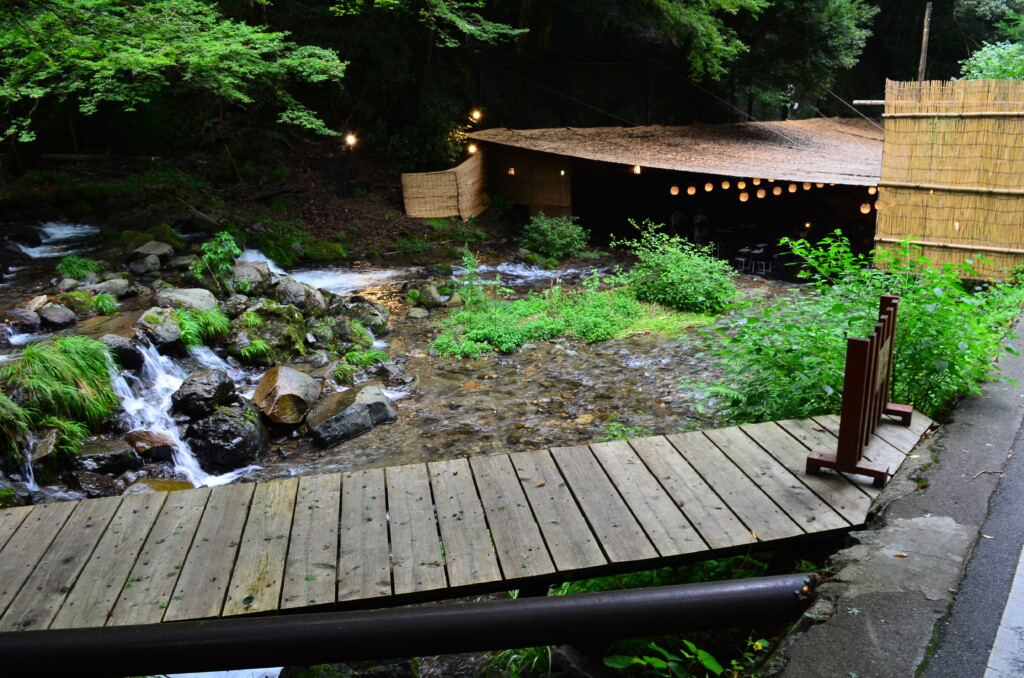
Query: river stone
(182, 262)
(195, 298)
(453, 301)
(68, 284)
(373, 316)
(37, 303)
(154, 248)
(152, 445)
(45, 445)
(160, 326)
(119, 287)
(108, 456)
(125, 351)
(342, 416)
(256, 275)
(22, 320)
(145, 265)
(229, 438)
(304, 297)
(285, 395)
(283, 328)
(429, 296)
(234, 305)
(91, 484)
(57, 315)
(202, 392)
(417, 314)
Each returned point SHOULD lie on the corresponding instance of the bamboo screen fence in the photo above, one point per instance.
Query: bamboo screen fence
(458, 191)
(953, 171)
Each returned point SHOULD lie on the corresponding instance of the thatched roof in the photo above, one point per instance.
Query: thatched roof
(835, 150)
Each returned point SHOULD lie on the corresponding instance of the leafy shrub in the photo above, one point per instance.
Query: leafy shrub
(676, 273)
(557, 237)
(217, 258)
(14, 424)
(104, 303)
(78, 267)
(200, 327)
(788, 360)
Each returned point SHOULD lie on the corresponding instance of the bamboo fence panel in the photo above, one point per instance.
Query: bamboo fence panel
(952, 169)
(455, 192)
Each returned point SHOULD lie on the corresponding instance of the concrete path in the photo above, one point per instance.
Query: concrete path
(903, 598)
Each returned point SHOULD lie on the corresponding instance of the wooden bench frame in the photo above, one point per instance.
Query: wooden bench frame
(865, 399)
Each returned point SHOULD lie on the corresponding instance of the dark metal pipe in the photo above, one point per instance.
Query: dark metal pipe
(402, 632)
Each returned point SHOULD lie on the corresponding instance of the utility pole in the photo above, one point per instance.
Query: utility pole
(924, 42)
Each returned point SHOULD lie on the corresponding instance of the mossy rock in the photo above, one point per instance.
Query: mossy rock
(132, 240)
(165, 234)
(79, 302)
(281, 326)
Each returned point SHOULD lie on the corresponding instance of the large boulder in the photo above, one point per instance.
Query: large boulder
(281, 326)
(345, 415)
(119, 287)
(154, 248)
(229, 438)
(108, 456)
(57, 316)
(160, 326)
(23, 321)
(285, 395)
(201, 393)
(152, 445)
(429, 296)
(147, 264)
(196, 299)
(373, 316)
(251, 277)
(304, 297)
(124, 350)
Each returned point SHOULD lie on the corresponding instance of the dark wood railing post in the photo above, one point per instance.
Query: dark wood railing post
(865, 399)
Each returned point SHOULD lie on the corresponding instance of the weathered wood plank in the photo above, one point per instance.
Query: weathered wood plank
(621, 536)
(818, 438)
(21, 554)
(517, 538)
(805, 508)
(10, 520)
(258, 575)
(204, 578)
(711, 516)
(665, 525)
(148, 589)
(877, 449)
(757, 511)
(833, 488)
(570, 541)
(415, 545)
(468, 551)
(903, 438)
(44, 591)
(311, 572)
(92, 599)
(364, 567)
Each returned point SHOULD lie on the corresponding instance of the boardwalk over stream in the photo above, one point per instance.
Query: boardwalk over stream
(429, 531)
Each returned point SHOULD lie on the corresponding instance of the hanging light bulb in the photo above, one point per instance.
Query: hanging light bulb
(865, 208)
(761, 193)
(709, 187)
(674, 190)
(511, 171)
(691, 190)
(561, 173)
(636, 169)
(476, 115)
(744, 196)
(471, 148)
(777, 190)
(725, 185)
(350, 140)
(741, 185)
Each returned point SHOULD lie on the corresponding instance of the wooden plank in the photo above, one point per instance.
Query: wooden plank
(311, 571)
(665, 525)
(10, 520)
(805, 508)
(258, 575)
(517, 538)
(415, 545)
(705, 510)
(815, 437)
(46, 588)
(149, 586)
(364, 566)
(468, 551)
(620, 534)
(91, 601)
(570, 541)
(903, 438)
(877, 450)
(757, 511)
(199, 592)
(21, 554)
(834, 488)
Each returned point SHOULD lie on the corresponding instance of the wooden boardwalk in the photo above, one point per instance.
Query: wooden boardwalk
(428, 531)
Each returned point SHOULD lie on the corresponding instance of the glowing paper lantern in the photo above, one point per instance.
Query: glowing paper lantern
(744, 196)
(865, 208)
(761, 193)
(725, 185)
(792, 188)
(674, 190)
(741, 185)
(709, 187)
(777, 190)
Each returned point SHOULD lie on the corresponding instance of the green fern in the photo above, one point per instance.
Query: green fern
(367, 357)
(70, 434)
(199, 327)
(252, 319)
(14, 424)
(105, 304)
(257, 351)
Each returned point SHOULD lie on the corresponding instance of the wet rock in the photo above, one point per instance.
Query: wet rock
(147, 264)
(389, 371)
(282, 327)
(108, 456)
(304, 297)
(196, 299)
(202, 392)
(285, 395)
(124, 350)
(429, 296)
(91, 484)
(57, 316)
(154, 248)
(251, 277)
(138, 488)
(453, 301)
(152, 445)
(229, 438)
(36, 303)
(417, 314)
(23, 321)
(160, 326)
(345, 415)
(68, 284)
(373, 316)
(119, 287)
(182, 263)
(234, 305)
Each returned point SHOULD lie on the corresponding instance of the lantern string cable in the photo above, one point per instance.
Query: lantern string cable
(570, 98)
(840, 129)
(854, 109)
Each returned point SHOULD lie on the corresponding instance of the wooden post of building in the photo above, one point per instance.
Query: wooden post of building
(924, 42)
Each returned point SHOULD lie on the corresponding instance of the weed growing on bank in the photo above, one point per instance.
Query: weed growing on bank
(77, 268)
(555, 237)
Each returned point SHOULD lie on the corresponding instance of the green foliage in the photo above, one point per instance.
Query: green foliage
(201, 327)
(70, 433)
(14, 424)
(257, 351)
(106, 52)
(367, 357)
(252, 319)
(104, 303)
(690, 662)
(217, 258)
(616, 430)
(787, 360)
(8, 498)
(557, 237)
(713, 43)
(78, 268)
(677, 273)
(411, 244)
(999, 60)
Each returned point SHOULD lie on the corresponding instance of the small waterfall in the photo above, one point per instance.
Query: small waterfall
(205, 356)
(26, 464)
(146, 400)
(59, 239)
